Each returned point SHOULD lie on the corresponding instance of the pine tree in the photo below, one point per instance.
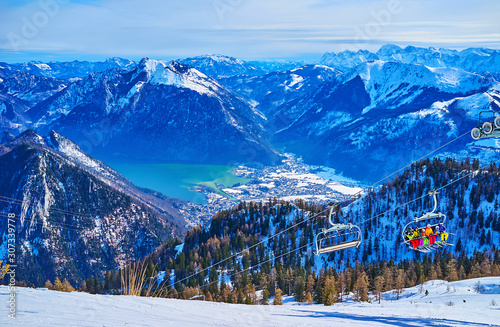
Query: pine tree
(298, 289)
(379, 286)
(433, 273)
(451, 269)
(265, 296)
(329, 291)
(309, 298)
(461, 273)
(248, 299)
(361, 293)
(58, 286)
(48, 285)
(388, 278)
(67, 286)
(400, 283)
(485, 268)
(240, 297)
(475, 271)
(495, 270)
(277, 297)
(83, 287)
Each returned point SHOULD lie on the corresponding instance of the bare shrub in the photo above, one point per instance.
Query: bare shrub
(133, 279)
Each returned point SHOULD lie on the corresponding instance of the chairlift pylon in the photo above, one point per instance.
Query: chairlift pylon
(337, 237)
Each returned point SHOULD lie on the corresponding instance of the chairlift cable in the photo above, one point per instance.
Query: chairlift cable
(253, 246)
(423, 196)
(251, 267)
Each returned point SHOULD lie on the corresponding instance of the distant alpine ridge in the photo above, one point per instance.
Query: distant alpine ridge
(73, 69)
(219, 66)
(477, 60)
(362, 113)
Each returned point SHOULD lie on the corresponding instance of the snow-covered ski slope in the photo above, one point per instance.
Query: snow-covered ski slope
(447, 304)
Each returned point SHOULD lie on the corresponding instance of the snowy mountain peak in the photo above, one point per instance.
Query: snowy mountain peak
(347, 59)
(61, 143)
(29, 136)
(220, 59)
(174, 73)
(388, 49)
(151, 65)
(54, 141)
(119, 62)
(218, 66)
(72, 69)
(394, 84)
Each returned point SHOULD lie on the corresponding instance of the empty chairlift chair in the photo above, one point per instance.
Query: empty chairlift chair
(337, 237)
(487, 127)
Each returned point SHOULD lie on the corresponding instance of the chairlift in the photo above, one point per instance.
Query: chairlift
(198, 296)
(337, 237)
(433, 220)
(487, 127)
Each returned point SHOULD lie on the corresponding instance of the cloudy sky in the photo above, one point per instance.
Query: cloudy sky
(248, 29)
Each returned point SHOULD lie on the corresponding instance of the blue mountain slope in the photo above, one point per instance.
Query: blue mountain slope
(381, 115)
(163, 112)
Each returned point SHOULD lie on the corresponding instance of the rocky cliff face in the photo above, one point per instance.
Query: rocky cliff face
(75, 217)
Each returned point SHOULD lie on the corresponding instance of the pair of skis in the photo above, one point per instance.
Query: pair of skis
(428, 248)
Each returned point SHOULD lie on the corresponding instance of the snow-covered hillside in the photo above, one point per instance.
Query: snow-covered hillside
(474, 302)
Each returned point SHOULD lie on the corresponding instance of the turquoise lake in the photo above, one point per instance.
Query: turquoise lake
(174, 180)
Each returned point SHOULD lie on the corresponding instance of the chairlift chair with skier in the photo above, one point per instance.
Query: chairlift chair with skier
(432, 220)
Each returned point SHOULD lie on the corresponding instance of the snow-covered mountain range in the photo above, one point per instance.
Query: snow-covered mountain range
(73, 69)
(157, 111)
(362, 113)
(19, 91)
(381, 115)
(220, 66)
(478, 60)
(272, 90)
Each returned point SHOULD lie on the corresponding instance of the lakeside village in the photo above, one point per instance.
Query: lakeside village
(289, 181)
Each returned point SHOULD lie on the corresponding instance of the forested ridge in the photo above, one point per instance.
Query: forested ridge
(237, 254)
